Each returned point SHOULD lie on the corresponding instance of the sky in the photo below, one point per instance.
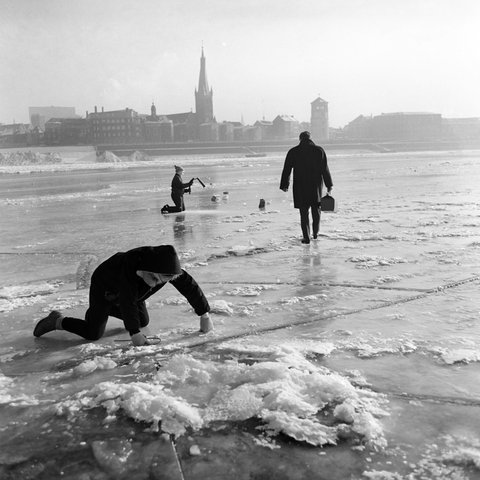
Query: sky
(264, 57)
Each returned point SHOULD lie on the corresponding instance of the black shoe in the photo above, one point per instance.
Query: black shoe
(305, 240)
(315, 237)
(47, 324)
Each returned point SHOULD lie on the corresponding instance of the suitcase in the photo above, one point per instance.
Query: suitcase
(328, 204)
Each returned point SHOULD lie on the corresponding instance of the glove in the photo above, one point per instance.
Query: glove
(205, 323)
(139, 339)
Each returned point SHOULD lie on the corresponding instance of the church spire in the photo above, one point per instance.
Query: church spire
(203, 96)
(202, 80)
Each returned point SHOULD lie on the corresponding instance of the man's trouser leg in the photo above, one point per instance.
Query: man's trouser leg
(96, 317)
(93, 327)
(315, 220)
(304, 223)
(178, 201)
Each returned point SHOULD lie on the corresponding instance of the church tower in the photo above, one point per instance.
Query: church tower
(203, 96)
(153, 111)
(319, 120)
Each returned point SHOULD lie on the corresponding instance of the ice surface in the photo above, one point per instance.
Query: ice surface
(317, 342)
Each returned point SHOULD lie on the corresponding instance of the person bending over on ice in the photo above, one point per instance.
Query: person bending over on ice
(310, 169)
(119, 287)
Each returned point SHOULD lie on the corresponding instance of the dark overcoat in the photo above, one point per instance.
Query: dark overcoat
(178, 187)
(116, 281)
(310, 169)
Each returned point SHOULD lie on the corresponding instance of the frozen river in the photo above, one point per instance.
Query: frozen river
(358, 353)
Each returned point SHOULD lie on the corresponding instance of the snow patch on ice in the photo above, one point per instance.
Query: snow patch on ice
(464, 453)
(449, 457)
(137, 156)
(221, 307)
(250, 290)
(20, 291)
(96, 363)
(9, 393)
(285, 391)
(67, 302)
(369, 346)
(18, 296)
(239, 250)
(266, 442)
(361, 236)
(386, 279)
(382, 475)
(174, 301)
(7, 354)
(371, 261)
(460, 355)
(234, 219)
(306, 298)
(29, 158)
(108, 157)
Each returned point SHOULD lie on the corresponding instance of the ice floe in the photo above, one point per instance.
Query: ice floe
(285, 391)
(460, 355)
(29, 158)
(371, 261)
(221, 307)
(250, 290)
(16, 296)
(96, 363)
(10, 395)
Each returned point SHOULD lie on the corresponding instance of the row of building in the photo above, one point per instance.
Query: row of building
(128, 126)
(411, 126)
(62, 126)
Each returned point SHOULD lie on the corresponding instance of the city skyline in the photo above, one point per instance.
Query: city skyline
(264, 58)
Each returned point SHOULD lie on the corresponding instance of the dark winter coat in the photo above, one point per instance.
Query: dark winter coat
(178, 187)
(310, 168)
(116, 281)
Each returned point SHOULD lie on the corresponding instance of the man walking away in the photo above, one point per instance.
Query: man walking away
(310, 169)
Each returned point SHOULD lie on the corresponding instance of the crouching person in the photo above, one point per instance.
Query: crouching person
(119, 288)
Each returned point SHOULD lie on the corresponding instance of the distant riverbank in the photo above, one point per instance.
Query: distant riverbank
(76, 158)
(249, 148)
(283, 146)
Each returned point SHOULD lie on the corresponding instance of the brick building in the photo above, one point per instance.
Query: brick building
(398, 126)
(66, 131)
(285, 127)
(117, 126)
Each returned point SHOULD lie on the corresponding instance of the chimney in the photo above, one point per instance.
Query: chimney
(95, 109)
(102, 109)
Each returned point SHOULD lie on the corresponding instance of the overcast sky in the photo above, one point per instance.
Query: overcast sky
(264, 57)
